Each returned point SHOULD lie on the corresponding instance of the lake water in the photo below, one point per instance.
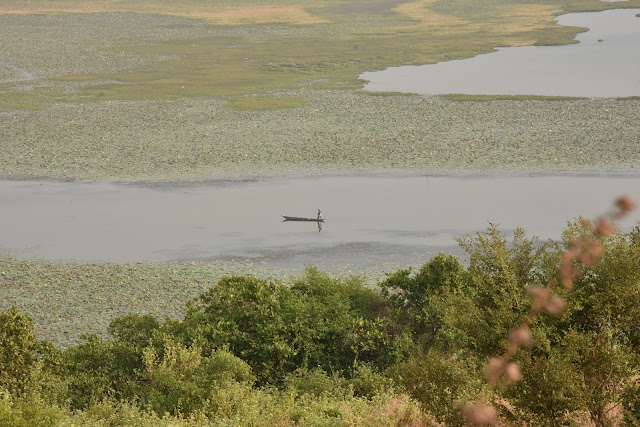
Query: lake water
(370, 221)
(605, 63)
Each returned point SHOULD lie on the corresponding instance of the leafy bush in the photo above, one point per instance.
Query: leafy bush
(17, 348)
(500, 273)
(413, 298)
(28, 412)
(318, 321)
(182, 381)
(439, 382)
(317, 382)
(337, 323)
(97, 370)
(134, 329)
(368, 382)
(245, 314)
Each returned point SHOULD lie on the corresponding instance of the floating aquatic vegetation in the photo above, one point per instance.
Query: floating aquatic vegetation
(336, 132)
(68, 299)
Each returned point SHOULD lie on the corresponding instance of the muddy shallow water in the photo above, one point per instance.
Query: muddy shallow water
(370, 221)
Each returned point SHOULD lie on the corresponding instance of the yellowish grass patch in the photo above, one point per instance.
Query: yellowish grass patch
(220, 15)
(420, 10)
(259, 15)
(512, 19)
(522, 17)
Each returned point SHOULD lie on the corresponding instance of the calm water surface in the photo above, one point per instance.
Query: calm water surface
(605, 63)
(369, 220)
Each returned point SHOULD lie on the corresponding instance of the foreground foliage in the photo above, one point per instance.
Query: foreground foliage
(327, 351)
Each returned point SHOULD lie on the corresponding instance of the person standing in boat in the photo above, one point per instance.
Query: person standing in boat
(319, 215)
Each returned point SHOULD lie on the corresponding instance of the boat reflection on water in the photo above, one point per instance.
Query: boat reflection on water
(318, 220)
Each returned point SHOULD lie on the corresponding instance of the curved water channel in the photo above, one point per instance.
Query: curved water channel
(604, 63)
(370, 221)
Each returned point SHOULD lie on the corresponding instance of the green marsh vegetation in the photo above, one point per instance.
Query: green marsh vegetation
(461, 97)
(229, 51)
(335, 132)
(237, 57)
(145, 68)
(68, 299)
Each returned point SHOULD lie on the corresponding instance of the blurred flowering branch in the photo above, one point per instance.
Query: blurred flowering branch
(584, 249)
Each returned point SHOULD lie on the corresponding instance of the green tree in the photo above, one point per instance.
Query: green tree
(494, 299)
(603, 323)
(586, 359)
(317, 321)
(549, 392)
(439, 381)
(337, 322)
(134, 329)
(17, 349)
(414, 299)
(97, 370)
(180, 381)
(631, 403)
(245, 315)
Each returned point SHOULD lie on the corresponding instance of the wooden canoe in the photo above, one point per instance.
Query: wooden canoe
(295, 218)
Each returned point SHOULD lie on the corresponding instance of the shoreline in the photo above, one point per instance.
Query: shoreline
(217, 180)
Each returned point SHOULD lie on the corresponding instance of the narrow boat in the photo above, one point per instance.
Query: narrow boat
(295, 218)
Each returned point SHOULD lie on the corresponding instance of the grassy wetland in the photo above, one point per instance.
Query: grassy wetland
(132, 91)
(68, 300)
(191, 91)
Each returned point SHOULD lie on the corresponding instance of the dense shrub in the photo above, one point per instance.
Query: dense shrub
(27, 412)
(97, 370)
(134, 329)
(337, 323)
(17, 349)
(181, 381)
(414, 299)
(276, 329)
(440, 382)
(245, 314)
(317, 382)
